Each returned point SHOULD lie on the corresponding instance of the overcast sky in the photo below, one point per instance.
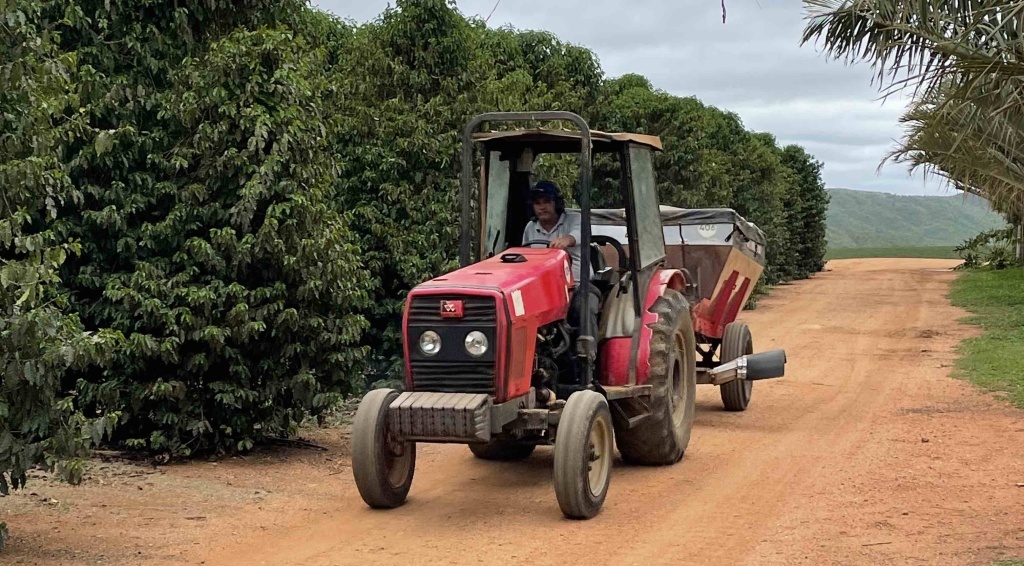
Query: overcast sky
(752, 65)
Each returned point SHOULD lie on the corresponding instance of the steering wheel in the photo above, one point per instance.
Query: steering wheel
(545, 243)
(601, 240)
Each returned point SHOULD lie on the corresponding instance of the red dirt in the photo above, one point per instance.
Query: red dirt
(865, 453)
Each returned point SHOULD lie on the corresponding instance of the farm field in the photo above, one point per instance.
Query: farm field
(867, 452)
(930, 252)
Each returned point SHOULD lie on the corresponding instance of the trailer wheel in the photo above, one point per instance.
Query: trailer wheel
(662, 438)
(383, 466)
(583, 455)
(502, 450)
(736, 342)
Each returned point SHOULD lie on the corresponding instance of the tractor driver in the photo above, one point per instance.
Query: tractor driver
(561, 229)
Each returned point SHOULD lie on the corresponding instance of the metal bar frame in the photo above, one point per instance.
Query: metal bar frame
(586, 344)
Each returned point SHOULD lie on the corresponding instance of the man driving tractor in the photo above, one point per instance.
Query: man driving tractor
(561, 229)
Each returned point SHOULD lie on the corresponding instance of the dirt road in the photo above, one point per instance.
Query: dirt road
(865, 453)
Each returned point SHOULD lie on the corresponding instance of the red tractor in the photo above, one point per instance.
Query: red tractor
(492, 360)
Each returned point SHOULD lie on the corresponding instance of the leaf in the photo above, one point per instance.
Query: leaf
(104, 142)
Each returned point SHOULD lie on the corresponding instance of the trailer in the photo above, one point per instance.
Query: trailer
(722, 256)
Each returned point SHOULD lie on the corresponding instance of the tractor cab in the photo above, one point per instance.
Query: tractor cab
(508, 171)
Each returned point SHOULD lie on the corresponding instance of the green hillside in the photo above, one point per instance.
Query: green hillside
(861, 219)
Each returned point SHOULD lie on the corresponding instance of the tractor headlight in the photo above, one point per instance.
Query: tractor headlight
(430, 343)
(476, 343)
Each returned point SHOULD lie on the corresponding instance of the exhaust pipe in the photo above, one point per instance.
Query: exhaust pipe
(753, 367)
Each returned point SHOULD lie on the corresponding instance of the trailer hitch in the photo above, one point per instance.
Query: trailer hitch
(752, 367)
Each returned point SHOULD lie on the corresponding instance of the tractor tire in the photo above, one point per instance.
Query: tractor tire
(383, 467)
(502, 450)
(662, 438)
(736, 342)
(584, 443)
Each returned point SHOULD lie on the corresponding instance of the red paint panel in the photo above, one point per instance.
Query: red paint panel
(616, 353)
(722, 300)
(613, 367)
(663, 279)
(734, 305)
(702, 322)
(710, 317)
(520, 360)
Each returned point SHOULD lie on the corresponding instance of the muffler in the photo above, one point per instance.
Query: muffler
(753, 367)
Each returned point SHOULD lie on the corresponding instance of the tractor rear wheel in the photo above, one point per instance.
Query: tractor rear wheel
(502, 450)
(583, 454)
(736, 342)
(662, 437)
(383, 466)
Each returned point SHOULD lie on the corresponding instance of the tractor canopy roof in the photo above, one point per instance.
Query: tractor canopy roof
(673, 216)
(556, 141)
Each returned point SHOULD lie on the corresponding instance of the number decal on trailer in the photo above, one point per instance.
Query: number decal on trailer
(707, 230)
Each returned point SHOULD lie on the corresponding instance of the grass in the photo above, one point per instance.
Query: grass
(932, 252)
(994, 359)
(1012, 562)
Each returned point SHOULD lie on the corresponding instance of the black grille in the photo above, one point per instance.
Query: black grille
(475, 310)
(454, 371)
(453, 377)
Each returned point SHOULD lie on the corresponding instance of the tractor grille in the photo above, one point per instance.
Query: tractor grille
(454, 371)
(453, 377)
(475, 310)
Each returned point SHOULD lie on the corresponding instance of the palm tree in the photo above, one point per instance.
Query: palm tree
(962, 58)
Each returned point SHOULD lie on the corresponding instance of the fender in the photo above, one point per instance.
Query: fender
(613, 369)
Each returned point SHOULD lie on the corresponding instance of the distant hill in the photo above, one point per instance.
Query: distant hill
(861, 219)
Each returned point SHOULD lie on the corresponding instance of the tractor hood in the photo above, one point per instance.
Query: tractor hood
(535, 282)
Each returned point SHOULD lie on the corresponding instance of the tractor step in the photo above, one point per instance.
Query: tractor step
(626, 391)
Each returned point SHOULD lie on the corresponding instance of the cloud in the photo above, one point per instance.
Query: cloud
(752, 65)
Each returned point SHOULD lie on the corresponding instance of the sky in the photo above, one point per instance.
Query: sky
(752, 65)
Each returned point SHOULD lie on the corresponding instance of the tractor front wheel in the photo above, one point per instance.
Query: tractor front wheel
(383, 466)
(662, 437)
(583, 455)
(736, 342)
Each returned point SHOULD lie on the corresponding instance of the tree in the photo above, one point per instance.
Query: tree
(963, 60)
(808, 210)
(40, 422)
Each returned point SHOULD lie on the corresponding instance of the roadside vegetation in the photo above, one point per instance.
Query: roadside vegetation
(996, 300)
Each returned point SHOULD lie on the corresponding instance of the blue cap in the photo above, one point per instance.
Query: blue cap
(545, 189)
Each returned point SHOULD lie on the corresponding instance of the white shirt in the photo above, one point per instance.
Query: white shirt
(568, 224)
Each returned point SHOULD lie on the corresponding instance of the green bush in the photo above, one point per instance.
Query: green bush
(41, 337)
(992, 248)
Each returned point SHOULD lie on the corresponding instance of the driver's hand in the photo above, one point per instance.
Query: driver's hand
(562, 242)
